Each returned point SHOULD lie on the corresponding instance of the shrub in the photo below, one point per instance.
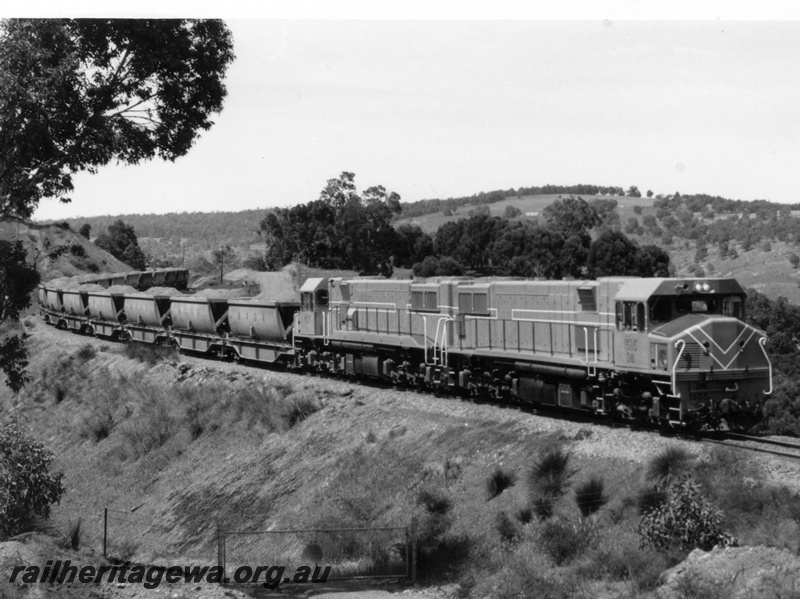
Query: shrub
(153, 422)
(506, 527)
(524, 515)
(544, 508)
(651, 498)
(76, 249)
(686, 520)
(589, 496)
(498, 482)
(27, 489)
(99, 421)
(551, 473)
(86, 352)
(619, 556)
(666, 465)
(149, 354)
(524, 574)
(434, 501)
(563, 540)
(299, 406)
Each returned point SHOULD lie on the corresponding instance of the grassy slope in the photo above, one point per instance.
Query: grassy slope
(362, 459)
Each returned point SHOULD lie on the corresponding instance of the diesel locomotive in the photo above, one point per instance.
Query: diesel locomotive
(674, 352)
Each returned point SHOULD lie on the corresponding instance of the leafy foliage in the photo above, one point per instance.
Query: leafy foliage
(17, 281)
(686, 520)
(340, 230)
(77, 94)
(489, 245)
(27, 489)
(121, 242)
(572, 216)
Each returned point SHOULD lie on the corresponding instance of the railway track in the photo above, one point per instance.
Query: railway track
(755, 444)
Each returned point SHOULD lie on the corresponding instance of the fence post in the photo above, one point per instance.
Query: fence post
(413, 550)
(221, 549)
(105, 532)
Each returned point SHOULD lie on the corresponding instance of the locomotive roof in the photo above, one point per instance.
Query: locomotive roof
(641, 289)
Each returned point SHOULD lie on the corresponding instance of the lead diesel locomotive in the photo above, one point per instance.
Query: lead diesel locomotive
(673, 352)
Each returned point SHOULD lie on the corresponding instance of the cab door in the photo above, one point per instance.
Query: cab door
(631, 349)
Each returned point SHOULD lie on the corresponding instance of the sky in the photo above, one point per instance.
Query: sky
(433, 105)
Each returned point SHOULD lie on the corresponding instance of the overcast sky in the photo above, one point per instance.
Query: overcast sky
(435, 108)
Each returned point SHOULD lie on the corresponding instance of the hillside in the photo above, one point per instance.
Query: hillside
(760, 259)
(81, 256)
(704, 235)
(198, 444)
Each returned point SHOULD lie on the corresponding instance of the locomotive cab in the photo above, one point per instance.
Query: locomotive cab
(314, 308)
(706, 364)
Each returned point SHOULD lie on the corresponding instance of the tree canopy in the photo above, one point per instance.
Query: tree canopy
(121, 242)
(341, 230)
(27, 489)
(77, 94)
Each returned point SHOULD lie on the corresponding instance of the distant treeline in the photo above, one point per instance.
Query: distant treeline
(210, 229)
(421, 207)
(345, 230)
(697, 218)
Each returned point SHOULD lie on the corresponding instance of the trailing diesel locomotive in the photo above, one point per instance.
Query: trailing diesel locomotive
(673, 352)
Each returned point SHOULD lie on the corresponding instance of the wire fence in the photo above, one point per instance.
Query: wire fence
(346, 553)
(351, 553)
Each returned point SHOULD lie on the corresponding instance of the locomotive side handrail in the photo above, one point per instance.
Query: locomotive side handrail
(763, 343)
(682, 345)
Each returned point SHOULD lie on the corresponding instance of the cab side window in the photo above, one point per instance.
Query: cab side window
(660, 309)
(631, 316)
(733, 306)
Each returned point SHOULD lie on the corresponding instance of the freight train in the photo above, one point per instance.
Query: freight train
(673, 352)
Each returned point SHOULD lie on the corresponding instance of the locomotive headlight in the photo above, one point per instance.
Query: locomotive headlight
(706, 287)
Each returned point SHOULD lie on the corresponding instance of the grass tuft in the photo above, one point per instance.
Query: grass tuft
(86, 352)
(499, 481)
(666, 465)
(551, 473)
(589, 496)
(506, 527)
(525, 515)
(149, 354)
(72, 539)
(434, 501)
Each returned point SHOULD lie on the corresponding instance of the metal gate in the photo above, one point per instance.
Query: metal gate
(351, 553)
